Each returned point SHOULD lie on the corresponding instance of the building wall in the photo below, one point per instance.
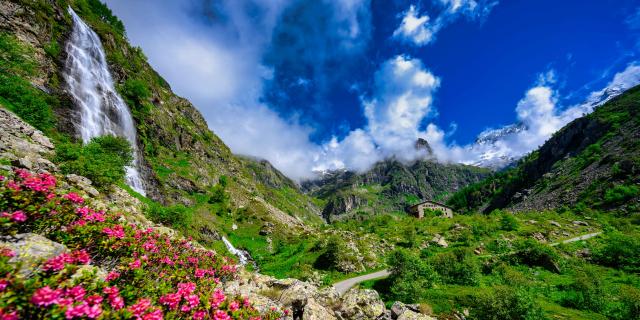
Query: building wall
(418, 210)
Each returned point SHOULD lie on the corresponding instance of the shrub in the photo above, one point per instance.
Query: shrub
(102, 160)
(333, 252)
(175, 216)
(507, 303)
(585, 293)
(410, 276)
(534, 254)
(619, 250)
(620, 194)
(457, 267)
(508, 222)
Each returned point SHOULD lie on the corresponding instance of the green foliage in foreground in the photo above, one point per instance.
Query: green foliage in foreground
(102, 160)
(508, 303)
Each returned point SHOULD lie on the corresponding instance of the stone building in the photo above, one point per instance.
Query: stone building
(417, 210)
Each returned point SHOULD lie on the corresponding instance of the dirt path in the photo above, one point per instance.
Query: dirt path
(343, 286)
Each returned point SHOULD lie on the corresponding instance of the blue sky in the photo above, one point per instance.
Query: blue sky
(317, 85)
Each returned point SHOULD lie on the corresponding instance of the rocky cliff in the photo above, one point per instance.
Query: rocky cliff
(594, 161)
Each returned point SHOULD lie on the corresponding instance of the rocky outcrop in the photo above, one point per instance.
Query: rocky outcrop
(340, 204)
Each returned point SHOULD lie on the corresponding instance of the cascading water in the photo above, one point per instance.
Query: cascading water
(102, 110)
(242, 256)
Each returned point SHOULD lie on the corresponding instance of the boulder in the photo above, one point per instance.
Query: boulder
(314, 311)
(31, 249)
(555, 223)
(580, 223)
(439, 240)
(412, 315)
(361, 304)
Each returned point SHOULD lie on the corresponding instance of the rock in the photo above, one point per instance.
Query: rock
(555, 223)
(266, 229)
(83, 184)
(439, 240)
(31, 249)
(361, 304)
(88, 271)
(539, 236)
(314, 311)
(412, 315)
(234, 226)
(532, 222)
(580, 223)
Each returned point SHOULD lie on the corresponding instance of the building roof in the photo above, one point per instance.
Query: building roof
(431, 201)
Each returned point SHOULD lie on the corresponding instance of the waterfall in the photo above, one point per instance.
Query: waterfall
(102, 110)
(242, 256)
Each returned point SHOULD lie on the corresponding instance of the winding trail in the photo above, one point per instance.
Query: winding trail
(343, 286)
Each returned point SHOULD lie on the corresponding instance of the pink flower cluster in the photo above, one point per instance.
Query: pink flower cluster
(59, 262)
(16, 216)
(73, 197)
(90, 215)
(42, 182)
(115, 300)
(116, 231)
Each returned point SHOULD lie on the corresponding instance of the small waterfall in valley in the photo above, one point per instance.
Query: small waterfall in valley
(102, 110)
(242, 256)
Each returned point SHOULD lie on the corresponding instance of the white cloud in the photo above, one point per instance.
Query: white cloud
(402, 97)
(415, 28)
(538, 116)
(420, 29)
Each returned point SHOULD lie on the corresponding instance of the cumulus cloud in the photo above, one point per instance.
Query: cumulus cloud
(420, 29)
(401, 99)
(415, 28)
(539, 115)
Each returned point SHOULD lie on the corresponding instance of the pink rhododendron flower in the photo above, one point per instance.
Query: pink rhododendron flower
(186, 288)
(6, 252)
(200, 273)
(94, 299)
(112, 276)
(18, 216)
(234, 306)
(171, 300)
(199, 315)
(135, 265)
(73, 197)
(221, 315)
(81, 256)
(13, 186)
(8, 315)
(46, 296)
(153, 315)
(4, 283)
(76, 311)
(77, 293)
(218, 298)
(140, 307)
(93, 311)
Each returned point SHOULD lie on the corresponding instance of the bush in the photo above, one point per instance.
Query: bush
(508, 222)
(330, 258)
(619, 250)
(506, 303)
(175, 216)
(534, 254)
(457, 267)
(102, 160)
(585, 293)
(410, 277)
(620, 194)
